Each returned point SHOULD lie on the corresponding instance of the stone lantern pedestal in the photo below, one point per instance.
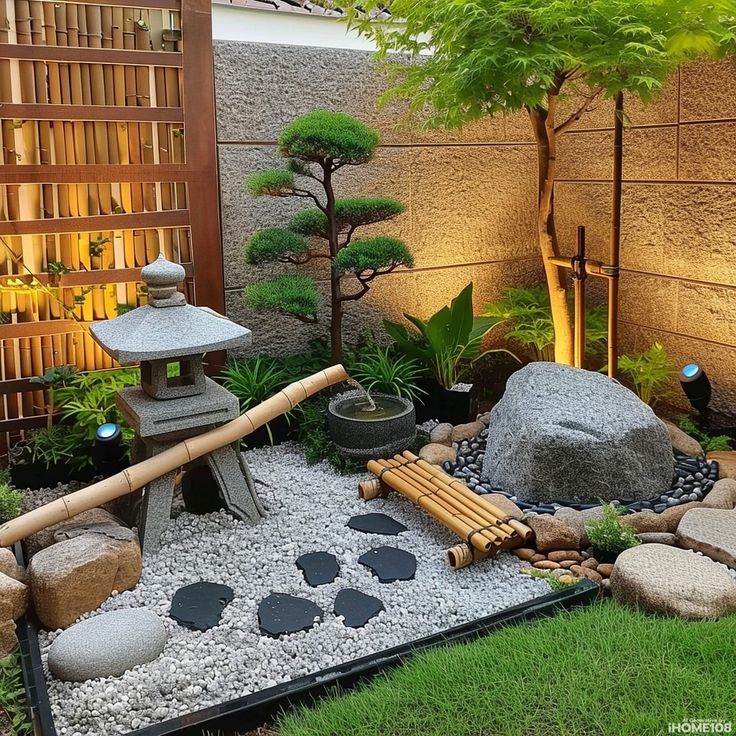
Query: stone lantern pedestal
(167, 409)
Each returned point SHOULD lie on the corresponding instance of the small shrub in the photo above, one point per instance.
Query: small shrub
(10, 501)
(709, 443)
(608, 537)
(649, 372)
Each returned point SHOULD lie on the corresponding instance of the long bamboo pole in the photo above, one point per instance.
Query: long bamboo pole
(137, 476)
(614, 256)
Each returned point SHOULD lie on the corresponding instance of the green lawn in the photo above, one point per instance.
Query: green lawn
(598, 671)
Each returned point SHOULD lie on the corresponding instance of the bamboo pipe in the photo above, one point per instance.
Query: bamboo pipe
(373, 488)
(521, 529)
(137, 476)
(461, 555)
(451, 522)
(450, 503)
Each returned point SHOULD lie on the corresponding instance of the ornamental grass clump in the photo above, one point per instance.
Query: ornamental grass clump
(608, 536)
(316, 146)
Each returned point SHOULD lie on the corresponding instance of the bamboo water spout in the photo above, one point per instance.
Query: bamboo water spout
(137, 476)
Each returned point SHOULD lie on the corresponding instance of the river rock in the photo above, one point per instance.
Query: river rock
(657, 538)
(77, 575)
(672, 516)
(441, 434)
(552, 533)
(107, 645)
(645, 521)
(580, 520)
(722, 496)
(13, 598)
(9, 566)
(566, 433)
(683, 442)
(467, 431)
(96, 519)
(437, 454)
(726, 462)
(673, 581)
(710, 531)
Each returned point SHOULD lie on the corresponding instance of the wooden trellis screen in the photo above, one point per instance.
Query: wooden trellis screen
(108, 142)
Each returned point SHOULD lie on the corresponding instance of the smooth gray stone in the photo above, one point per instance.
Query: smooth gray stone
(562, 432)
(107, 645)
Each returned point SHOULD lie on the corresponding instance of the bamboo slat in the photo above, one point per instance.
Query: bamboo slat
(95, 177)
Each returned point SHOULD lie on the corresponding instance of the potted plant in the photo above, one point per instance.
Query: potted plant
(447, 344)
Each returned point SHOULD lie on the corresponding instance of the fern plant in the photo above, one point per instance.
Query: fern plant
(649, 372)
(709, 443)
(529, 315)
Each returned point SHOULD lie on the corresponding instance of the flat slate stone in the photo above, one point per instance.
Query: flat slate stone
(319, 568)
(376, 524)
(357, 608)
(390, 564)
(280, 613)
(199, 606)
(107, 645)
(710, 531)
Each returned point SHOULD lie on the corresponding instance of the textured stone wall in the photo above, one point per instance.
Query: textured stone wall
(470, 198)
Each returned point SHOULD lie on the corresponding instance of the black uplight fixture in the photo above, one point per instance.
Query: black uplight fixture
(108, 452)
(696, 386)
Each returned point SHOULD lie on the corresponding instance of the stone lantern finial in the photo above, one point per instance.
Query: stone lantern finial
(162, 277)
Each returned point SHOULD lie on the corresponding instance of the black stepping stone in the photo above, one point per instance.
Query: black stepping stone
(280, 613)
(376, 524)
(357, 608)
(200, 605)
(390, 564)
(319, 568)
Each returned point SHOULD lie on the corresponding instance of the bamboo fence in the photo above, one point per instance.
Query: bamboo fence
(97, 175)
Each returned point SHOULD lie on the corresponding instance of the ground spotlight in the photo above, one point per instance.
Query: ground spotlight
(696, 386)
(108, 450)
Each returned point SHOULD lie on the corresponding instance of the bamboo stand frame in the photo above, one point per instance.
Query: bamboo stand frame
(137, 476)
(483, 526)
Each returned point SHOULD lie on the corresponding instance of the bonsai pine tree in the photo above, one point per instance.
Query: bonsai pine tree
(554, 59)
(316, 146)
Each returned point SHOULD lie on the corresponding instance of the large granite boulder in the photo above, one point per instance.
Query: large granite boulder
(673, 581)
(107, 645)
(565, 433)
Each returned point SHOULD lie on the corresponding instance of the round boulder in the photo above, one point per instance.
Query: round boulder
(566, 433)
(107, 645)
(673, 581)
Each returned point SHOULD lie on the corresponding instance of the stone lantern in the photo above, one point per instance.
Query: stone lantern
(167, 409)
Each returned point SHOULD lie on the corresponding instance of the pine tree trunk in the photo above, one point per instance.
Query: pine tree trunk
(336, 305)
(546, 137)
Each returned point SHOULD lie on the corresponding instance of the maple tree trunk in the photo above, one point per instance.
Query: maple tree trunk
(546, 138)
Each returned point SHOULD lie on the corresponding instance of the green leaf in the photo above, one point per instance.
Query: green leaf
(273, 182)
(296, 295)
(273, 243)
(372, 254)
(326, 136)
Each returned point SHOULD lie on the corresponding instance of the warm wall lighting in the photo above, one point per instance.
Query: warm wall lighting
(696, 386)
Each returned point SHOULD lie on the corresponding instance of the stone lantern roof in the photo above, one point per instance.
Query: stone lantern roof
(167, 327)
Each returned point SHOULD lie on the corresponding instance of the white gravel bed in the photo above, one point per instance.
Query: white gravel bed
(308, 508)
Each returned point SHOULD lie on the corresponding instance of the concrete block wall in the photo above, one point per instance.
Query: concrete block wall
(470, 198)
